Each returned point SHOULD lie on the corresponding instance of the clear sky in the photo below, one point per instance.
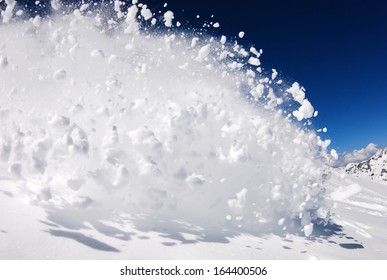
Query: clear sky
(336, 49)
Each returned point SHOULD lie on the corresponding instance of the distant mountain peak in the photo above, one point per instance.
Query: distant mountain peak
(375, 167)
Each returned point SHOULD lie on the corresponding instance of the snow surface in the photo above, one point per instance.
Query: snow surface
(72, 232)
(115, 135)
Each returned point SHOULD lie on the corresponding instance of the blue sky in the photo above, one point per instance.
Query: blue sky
(336, 49)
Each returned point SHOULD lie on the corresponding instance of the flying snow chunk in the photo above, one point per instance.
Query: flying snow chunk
(258, 92)
(297, 92)
(37, 21)
(334, 154)
(55, 4)
(8, 13)
(146, 13)
(84, 7)
(203, 53)
(241, 34)
(274, 74)
(216, 25)
(223, 40)
(308, 229)
(254, 61)
(255, 52)
(305, 111)
(133, 26)
(60, 74)
(239, 201)
(117, 6)
(168, 17)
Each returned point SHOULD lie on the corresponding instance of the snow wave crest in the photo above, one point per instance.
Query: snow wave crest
(106, 113)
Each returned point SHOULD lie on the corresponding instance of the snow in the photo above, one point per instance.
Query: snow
(73, 232)
(55, 4)
(146, 13)
(119, 138)
(305, 111)
(60, 74)
(3, 61)
(308, 229)
(254, 61)
(8, 12)
(223, 39)
(274, 74)
(342, 193)
(374, 168)
(168, 17)
(203, 53)
(37, 21)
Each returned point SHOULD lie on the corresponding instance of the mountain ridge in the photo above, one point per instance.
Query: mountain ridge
(375, 167)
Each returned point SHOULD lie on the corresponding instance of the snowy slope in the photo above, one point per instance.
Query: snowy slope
(32, 232)
(374, 168)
